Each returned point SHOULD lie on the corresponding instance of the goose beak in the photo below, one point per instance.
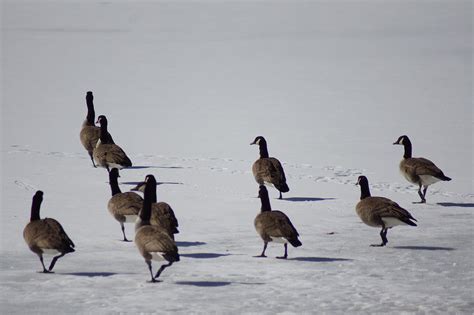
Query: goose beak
(252, 143)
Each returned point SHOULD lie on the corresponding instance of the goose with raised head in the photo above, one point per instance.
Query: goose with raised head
(124, 207)
(274, 225)
(46, 236)
(106, 153)
(268, 169)
(380, 212)
(153, 242)
(90, 133)
(419, 171)
(161, 213)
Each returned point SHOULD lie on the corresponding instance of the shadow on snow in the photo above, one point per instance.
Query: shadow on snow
(299, 199)
(319, 259)
(204, 255)
(455, 204)
(188, 244)
(424, 248)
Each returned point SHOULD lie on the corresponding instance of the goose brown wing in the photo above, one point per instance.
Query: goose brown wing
(279, 172)
(153, 239)
(277, 224)
(424, 166)
(163, 215)
(384, 207)
(266, 169)
(127, 203)
(55, 235)
(111, 153)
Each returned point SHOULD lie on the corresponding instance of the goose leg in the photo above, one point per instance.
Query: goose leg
(148, 262)
(286, 252)
(423, 200)
(123, 231)
(92, 159)
(383, 235)
(158, 273)
(264, 249)
(424, 193)
(280, 196)
(42, 263)
(53, 262)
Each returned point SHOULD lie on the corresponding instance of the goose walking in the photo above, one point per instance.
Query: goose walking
(90, 133)
(268, 169)
(161, 213)
(274, 226)
(106, 153)
(124, 207)
(152, 241)
(419, 171)
(46, 236)
(380, 212)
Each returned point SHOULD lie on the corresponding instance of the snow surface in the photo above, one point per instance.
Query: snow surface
(186, 87)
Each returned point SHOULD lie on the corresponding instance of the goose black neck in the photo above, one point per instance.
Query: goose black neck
(153, 197)
(145, 214)
(265, 203)
(364, 190)
(407, 146)
(104, 134)
(114, 186)
(90, 113)
(263, 149)
(35, 208)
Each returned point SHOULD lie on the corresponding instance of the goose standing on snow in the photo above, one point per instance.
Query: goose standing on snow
(268, 169)
(90, 133)
(124, 207)
(106, 153)
(274, 225)
(380, 212)
(46, 236)
(161, 213)
(419, 171)
(152, 241)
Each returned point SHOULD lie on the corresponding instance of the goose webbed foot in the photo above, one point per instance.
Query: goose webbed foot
(123, 232)
(153, 280)
(419, 202)
(377, 245)
(285, 255)
(260, 256)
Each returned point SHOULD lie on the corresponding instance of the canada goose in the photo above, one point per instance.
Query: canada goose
(90, 133)
(274, 225)
(268, 169)
(123, 206)
(152, 241)
(380, 212)
(161, 213)
(106, 153)
(419, 171)
(46, 236)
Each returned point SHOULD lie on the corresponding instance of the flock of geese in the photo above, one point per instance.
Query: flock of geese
(156, 223)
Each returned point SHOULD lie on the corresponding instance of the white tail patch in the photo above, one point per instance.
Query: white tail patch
(117, 166)
(158, 256)
(280, 240)
(391, 222)
(51, 251)
(427, 180)
(131, 218)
